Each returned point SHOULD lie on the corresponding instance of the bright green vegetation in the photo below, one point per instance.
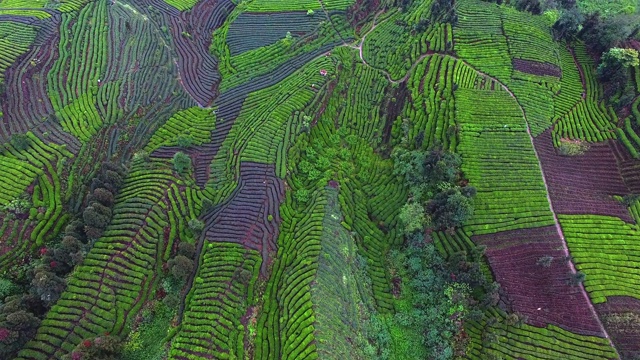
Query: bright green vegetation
(498, 159)
(74, 83)
(497, 336)
(39, 162)
(193, 126)
(606, 249)
(249, 65)
(589, 119)
(223, 289)
(268, 123)
(176, 186)
(608, 8)
(300, 5)
(400, 38)
(629, 134)
(182, 5)
(116, 275)
(26, 7)
(432, 117)
(15, 40)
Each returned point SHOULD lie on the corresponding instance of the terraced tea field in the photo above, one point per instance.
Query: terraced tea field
(313, 179)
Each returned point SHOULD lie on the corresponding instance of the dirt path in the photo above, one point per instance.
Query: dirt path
(565, 248)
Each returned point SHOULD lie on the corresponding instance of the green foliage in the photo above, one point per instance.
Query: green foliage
(622, 57)
(7, 288)
(412, 216)
(181, 267)
(144, 342)
(451, 208)
(106, 347)
(572, 147)
(20, 141)
(196, 226)
(184, 141)
(437, 305)
(181, 162)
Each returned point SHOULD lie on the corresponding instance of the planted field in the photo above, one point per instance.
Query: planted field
(539, 291)
(499, 160)
(224, 286)
(302, 5)
(620, 317)
(491, 338)
(313, 179)
(266, 29)
(605, 248)
(15, 39)
(583, 184)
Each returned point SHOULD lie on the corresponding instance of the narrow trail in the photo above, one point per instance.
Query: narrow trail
(531, 137)
(558, 227)
(565, 248)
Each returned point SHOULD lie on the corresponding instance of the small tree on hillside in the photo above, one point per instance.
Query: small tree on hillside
(20, 141)
(181, 162)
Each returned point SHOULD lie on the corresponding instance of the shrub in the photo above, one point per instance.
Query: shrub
(413, 217)
(181, 267)
(20, 141)
(187, 250)
(181, 162)
(450, 209)
(196, 226)
(103, 196)
(545, 261)
(572, 147)
(184, 141)
(47, 285)
(576, 278)
(7, 288)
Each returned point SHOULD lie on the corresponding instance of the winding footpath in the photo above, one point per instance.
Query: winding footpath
(565, 248)
(558, 227)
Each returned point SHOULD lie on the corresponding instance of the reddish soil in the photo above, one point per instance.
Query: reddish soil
(536, 68)
(541, 293)
(244, 218)
(621, 316)
(583, 184)
(629, 167)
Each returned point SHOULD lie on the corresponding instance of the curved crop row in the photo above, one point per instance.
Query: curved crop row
(259, 131)
(113, 281)
(432, 109)
(212, 327)
(629, 135)
(193, 125)
(15, 40)
(190, 37)
(398, 41)
(479, 39)
(300, 5)
(251, 31)
(285, 328)
(529, 37)
(494, 337)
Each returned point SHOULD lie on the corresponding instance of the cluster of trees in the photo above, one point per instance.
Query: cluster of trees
(612, 37)
(29, 292)
(105, 347)
(181, 162)
(438, 195)
(443, 294)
